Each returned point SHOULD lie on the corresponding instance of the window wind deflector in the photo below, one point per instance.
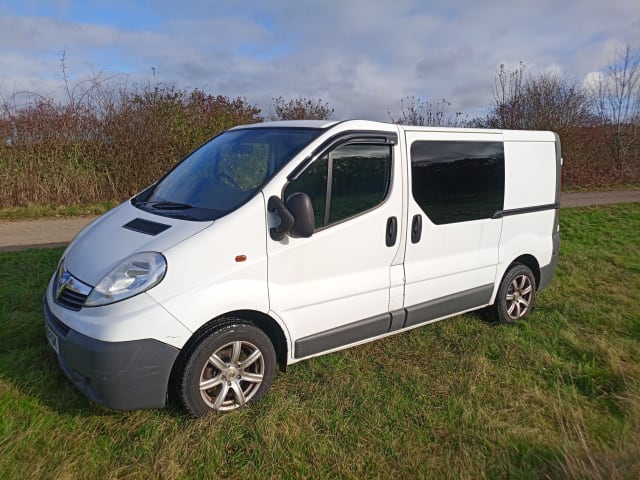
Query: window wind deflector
(348, 137)
(369, 141)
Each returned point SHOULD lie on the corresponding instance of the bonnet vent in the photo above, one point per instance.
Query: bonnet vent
(146, 226)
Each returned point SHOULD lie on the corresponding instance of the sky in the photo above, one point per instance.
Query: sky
(360, 56)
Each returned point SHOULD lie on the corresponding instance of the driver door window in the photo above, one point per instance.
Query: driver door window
(345, 182)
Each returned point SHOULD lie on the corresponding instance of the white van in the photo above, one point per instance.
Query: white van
(277, 242)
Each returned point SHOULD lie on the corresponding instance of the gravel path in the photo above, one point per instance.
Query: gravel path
(585, 199)
(46, 232)
(51, 232)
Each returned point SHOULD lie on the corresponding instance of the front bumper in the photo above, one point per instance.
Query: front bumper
(126, 375)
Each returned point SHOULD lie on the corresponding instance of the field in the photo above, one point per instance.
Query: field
(555, 396)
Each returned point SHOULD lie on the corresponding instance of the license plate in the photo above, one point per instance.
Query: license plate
(53, 340)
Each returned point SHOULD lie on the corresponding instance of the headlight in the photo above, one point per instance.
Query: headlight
(135, 275)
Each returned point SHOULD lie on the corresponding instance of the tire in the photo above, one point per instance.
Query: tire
(232, 365)
(516, 295)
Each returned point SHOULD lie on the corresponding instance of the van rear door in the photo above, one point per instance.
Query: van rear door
(456, 186)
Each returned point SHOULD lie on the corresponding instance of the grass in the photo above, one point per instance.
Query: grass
(555, 396)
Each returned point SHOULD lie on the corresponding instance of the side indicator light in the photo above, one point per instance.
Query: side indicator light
(241, 258)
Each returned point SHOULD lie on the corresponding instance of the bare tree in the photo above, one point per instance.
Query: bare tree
(417, 111)
(300, 108)
(545, 102)
(616, 95)
(508, 96)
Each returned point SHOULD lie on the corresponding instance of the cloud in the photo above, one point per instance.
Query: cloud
(41, 34)
(595, 80)
(361, 57)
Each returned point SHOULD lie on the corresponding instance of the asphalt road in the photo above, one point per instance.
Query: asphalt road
(51, 232)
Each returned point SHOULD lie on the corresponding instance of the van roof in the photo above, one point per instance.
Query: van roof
(292, 123)
(509, 135)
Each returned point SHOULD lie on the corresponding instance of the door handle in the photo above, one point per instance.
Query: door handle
(416, 228)
(392, 231)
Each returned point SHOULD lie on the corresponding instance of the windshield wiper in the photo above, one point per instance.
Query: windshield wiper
(169, 205)
(181, 216)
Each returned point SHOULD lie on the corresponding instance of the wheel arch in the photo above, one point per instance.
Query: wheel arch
(269, 326)
(264, 322)
(531, 262)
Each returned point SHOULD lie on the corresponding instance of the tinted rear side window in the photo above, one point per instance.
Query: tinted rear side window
(458, 181)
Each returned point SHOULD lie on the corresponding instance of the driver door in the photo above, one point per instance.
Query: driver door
(332, 289)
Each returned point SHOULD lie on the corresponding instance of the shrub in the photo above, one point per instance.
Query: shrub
(105, 144)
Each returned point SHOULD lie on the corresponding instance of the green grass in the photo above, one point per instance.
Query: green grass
(555, 396)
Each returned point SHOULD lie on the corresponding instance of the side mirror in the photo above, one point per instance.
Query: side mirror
(296, 217)
(300, 206)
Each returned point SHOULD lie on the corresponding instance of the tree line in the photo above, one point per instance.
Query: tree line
(107, 142)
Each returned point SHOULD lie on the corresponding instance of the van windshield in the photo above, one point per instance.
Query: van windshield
(224, 173)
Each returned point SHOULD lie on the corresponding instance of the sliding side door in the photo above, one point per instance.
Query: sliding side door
(456, 186)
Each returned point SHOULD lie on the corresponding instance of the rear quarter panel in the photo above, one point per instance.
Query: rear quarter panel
(530, 181)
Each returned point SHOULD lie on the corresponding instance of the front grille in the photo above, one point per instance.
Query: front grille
(68, 291)
(70, 299)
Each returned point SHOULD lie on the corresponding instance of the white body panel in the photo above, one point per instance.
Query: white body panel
(205, 280)
(530, 171)
(139, 317)
(345, 268)
(105, 243)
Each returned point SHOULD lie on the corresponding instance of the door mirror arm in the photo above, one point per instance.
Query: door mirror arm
(275, 205)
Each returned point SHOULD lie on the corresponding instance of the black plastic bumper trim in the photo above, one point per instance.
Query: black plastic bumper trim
(449, 305)
(547, 272)
(389, 322)
(119, 375)
(342, 335)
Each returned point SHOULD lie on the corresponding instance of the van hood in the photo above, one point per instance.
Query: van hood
(119, 233)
